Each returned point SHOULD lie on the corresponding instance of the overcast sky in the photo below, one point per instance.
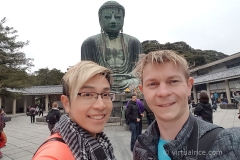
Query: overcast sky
(57, 28)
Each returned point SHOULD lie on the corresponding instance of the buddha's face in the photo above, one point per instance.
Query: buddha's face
(111, 20)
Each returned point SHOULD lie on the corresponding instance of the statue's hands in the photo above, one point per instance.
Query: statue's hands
(122, 76)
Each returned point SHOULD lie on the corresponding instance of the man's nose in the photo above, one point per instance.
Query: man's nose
(99, 104)
(163, 90)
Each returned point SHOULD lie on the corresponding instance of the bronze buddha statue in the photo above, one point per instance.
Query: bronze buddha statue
(112, 48)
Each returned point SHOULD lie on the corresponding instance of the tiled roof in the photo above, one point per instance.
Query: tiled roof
(219, 76)
(42, 90)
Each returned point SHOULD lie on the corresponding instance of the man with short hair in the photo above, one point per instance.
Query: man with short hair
(40, 109)
(216, 96)
(141, 109)
(166, 85)
(134, 118)
(53, 116)
(237, 100)
(149, 114)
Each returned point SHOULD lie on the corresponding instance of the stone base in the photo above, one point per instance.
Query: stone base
(228, 106)
(126, 127)
(114, 120)
(41, 119)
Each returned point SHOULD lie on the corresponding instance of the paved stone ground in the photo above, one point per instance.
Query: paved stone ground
(24, 138)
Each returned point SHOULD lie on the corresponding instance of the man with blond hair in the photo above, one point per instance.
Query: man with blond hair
(176, 134)
(87, 100)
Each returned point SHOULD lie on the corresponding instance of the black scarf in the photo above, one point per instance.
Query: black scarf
(82, 145)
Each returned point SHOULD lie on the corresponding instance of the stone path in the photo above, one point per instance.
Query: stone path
(24, 138)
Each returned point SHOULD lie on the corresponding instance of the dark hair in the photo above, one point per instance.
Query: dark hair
(203, 97)
(134, 94)
(189, 100)
(1, 110)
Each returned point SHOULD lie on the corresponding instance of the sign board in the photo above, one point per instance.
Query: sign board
(237, 85)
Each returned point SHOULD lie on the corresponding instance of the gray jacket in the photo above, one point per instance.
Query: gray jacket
(225, 147)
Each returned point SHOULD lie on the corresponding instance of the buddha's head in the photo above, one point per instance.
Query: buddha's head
(111, 17)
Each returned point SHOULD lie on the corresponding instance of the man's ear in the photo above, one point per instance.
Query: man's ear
(66, 103)
(190, 84)
(140, 87)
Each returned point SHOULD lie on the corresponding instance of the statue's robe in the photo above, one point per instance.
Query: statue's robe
(94, 48)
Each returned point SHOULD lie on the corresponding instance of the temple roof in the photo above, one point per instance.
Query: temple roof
(236, 55)
(43, 90)
(218, 76)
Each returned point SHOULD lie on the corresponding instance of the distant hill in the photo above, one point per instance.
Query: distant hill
(195, 57)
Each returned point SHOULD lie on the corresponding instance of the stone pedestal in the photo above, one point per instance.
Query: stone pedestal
(118, 111)
(228, 106)
(8, 118)
(41, 119)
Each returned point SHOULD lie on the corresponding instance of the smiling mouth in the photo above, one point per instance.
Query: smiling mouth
(97, 117)
(166, 105)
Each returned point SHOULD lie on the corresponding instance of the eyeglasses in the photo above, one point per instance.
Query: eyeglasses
(91, 97)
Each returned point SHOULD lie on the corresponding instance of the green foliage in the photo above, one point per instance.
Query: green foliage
(13, 63)
(152, 46)
(44, 76)
(195, 57)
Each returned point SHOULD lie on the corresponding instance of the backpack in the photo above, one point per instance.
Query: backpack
(32, 111)
(199, 145)
(125, 114)
(2, 122)
(126, 119)
(51, 117)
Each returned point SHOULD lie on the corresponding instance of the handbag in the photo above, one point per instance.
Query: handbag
(3, 139)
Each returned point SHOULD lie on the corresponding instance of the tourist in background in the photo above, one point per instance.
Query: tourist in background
(237, 100)
(53, 116)
(214, 103)
(3, 138)
(32, 114)
(149, 114)
(140, 109)
(134, 117)
(216, 97)
(221, 97)
(40, 110)
(204, 108)
(37, 110)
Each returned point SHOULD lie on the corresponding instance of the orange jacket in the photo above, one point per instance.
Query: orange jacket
(54, 150)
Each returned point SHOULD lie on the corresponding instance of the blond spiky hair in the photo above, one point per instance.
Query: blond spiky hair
(161, 57)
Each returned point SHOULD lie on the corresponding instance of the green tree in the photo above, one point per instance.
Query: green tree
(195, 57)
(44, 76)
(149, 46)
(13, 62)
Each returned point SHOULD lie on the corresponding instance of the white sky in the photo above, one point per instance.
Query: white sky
(57, 28)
